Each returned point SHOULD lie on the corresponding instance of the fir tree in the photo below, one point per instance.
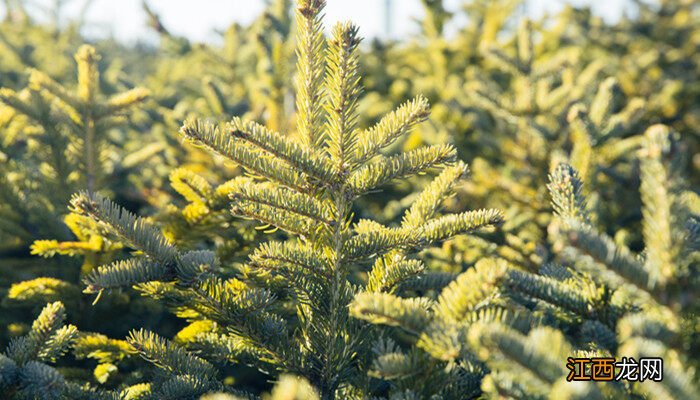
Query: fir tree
(58, 142)
(291, 313)
(70, 146)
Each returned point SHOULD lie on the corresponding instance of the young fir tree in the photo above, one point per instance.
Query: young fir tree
(288, 309)
(67, 147)
(58, 141)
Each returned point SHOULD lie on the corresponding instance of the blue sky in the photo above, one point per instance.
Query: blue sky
(197, 19)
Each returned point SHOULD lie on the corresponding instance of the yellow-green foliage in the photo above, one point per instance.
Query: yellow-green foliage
(286, 215)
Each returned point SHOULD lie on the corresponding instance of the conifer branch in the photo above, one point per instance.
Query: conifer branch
(301, 157)
(389, 272)
(504, 61)
(603, 250)
(234, 298)
(343, 86)
(376, 243)
(661, 228)
(8, 372)
(525, 44)
(16, 101)
(603, 103)
(137, 392)
(444, 340)
(58, 344)
(169, 356)
(397, 365)
(185, 386)
(310, 68)
(469, 289)
(101, 348)
(391, 127)
(452, 225)
(589, 302)
(297, 388)
(271, 216)
(39, 80)
(195, 265)
(191, 186)
(246, 193)
(411, 314)
(88, 76)
(511, 315)
(248, 157)
(226, 348)
(124, 273)
(122, 101)
(312, 261)
(133, 230)
(49, 248)
(541, 352)
(566, 189)
(39, 380)
(446, 322)
(41, 291)
(386, 169)
(428, 281)
(29, 347)
(580, 118)
(47, 340)
(380, 241)
(427, 204)
(76, 123)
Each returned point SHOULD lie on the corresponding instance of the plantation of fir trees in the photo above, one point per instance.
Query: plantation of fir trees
(495, 206)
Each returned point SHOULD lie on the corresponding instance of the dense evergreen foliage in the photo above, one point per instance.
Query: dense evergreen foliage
(298, 214)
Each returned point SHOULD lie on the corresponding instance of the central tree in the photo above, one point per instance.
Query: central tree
(289, 311)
